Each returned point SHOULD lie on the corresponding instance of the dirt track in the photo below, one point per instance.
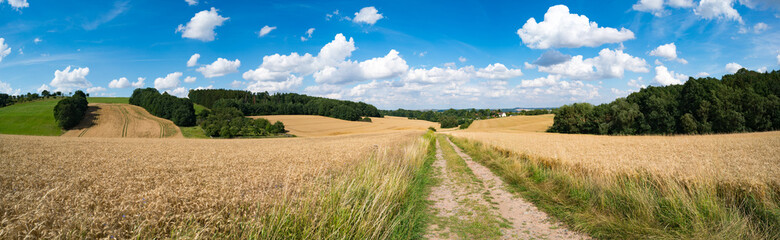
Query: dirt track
(113, 120)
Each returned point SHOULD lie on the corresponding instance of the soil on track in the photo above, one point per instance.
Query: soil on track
(484, 202)
(318, 126)
(114, 120)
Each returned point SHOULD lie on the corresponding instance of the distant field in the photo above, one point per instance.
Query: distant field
(198, 108)
(31, 118)
(184, 188)
(317, 126)
(538, 123)
(108, 100)
(114, 120)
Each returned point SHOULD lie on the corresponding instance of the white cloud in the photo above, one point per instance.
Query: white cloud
(391, 65)
(201, 26)
(219, 68)
(422, 54)
(550, 80)
(527, 65)
(308, 34)
(681, 3)
(17, 4)
(654, 6)
(667, 51)
(609, 64)
(191, 2)
(276, 85)
(67, 80)
(562, 29)
(6, 88)
(760, 27)
(665, 77)
(733, 67)
(179, 92)
(498, 71)
(4, 49)
(637, 83)
(462, 59)
(119, 83)
(94, 90)
(717, 9)
(236, 84)
(368, 15)
(43, 87)
(193, 60)
(761, 69)
(778, 59)
(702, 74)
(37, 40)
(437, 75)
(189, 79)
(139, 83)
(170, 81)
(265, 30)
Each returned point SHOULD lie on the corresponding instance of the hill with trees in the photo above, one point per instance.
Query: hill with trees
(746, 101)
(178, 110)
(254, 104)
(70, 111)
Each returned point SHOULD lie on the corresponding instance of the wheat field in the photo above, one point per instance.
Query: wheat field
(538, 123)
(55, 187)
(114, 120)
(317, 126)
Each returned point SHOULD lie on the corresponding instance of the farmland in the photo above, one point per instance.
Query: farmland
(32, 118)
(317, 126)
(124, 188)
(122, 120)
(537, 123)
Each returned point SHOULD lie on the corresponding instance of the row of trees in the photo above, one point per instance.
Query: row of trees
(746, 101)
(178, 110)
(448, 118)
(6, 100)
(229, 122)
(253, 104)
(70, 111)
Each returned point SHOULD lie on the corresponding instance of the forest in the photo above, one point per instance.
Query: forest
(70, 111)
(447, 118)
(254, 104)
(746, 101)
(229, 122)
(178, 110)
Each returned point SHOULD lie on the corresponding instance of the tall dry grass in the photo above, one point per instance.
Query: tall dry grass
(182, 188)
(637, 204)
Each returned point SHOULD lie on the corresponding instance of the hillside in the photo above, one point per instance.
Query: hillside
(316, 126)
(115, 120)
(538, 123)
(30, 118)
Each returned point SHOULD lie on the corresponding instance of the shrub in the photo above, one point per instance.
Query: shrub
(365, 119)
(230, 122)
(70, 111)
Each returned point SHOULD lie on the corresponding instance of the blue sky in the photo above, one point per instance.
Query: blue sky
(393, 54)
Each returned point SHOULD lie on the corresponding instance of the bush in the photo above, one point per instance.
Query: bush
(432, 129)
(178, 110)
(70, 111)
(448, 122)
(365, 119)
(230, 122)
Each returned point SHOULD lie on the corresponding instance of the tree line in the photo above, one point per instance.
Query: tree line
(447, 118)
(178, 110)
(70, 111)
(253, 104)
(746, 101)
(7, 100)
(229, 122)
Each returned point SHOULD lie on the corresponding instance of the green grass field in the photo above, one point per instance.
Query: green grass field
(193, 132)
(198, 108)
(30, 118)
(108, 100)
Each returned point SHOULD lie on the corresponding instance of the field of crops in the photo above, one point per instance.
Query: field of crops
(112, 120)
(54, 187)
(317, 126)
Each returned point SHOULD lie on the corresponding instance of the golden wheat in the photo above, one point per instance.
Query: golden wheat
(315, 126)
(88, 187)
(114, 120)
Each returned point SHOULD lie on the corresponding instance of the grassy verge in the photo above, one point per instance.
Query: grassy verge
(635, 206)
(381, 198)
(30, 118)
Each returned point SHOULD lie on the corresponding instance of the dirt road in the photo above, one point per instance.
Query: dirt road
(470, 202)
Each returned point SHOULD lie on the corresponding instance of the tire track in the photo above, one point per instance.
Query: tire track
(126, 121)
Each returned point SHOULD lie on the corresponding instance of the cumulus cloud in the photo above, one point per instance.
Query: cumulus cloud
(94, 90)
(179, 92)
(191, 2)
(265, 31)
(761, 4)
(702, 74)
(67, 80)
(202, 25)
(657, 6)
(193, 60)
(637, 83)
(733, 67)
(665, 77)
(667, 51)
(219, 68)
(551, 57)
(119, 83)
(462, 59)
(549, 80)
(17, 4)
(189, 79)
(681, 3)
(170, 81)
(139, 83)
(367, 15)
(43, 87)
(6, 88)
(4, 49)
(717, 9)
(563, 29)
(608, 64)
(498, 71)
